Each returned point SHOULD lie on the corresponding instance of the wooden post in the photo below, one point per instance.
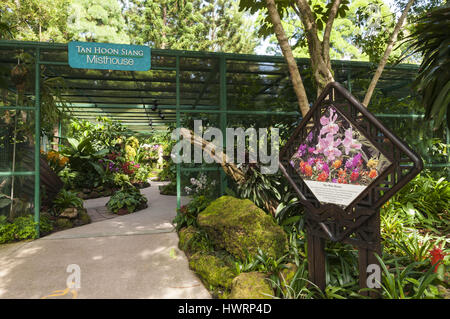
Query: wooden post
(367, 255)
(316, 260)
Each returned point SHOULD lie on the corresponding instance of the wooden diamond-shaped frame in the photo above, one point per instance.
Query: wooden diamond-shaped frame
(332, 221)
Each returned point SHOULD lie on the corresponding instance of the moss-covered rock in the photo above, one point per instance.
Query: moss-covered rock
(240, 227)
(212, 270)
(192, 241)
(63, 223)
(250, 285)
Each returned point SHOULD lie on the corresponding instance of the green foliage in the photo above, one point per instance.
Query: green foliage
(260, 262)
(67, 176)
(341, 265)
(169, 189)
(83, 158)
(97, 21)
(187, 214)
(299, 286)
(415, 247)
(190, 25)
(34, 20)
(104, 132)
(431, 39)
(407, 282)
(194, 240)
(122, 180)
(142, 174)
(261, 189)
(289, 213)
(423, 203)
(374, 23)
(22, 228)
(130, 198)
(169, 172)
(66, 199)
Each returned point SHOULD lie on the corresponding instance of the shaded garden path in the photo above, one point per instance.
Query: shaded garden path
(130, 256)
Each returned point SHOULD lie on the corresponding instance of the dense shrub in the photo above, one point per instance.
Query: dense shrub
(21, 228)
(130, 199)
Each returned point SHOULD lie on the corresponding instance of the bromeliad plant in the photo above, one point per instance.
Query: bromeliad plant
(66, 199)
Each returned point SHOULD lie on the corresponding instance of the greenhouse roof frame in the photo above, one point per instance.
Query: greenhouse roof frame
(184, 82)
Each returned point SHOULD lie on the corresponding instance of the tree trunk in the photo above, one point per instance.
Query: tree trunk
(385, 57)
(163, 44)
(319, 51)
(296, 78)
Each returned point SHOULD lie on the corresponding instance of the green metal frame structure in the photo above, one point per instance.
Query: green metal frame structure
(182, 84)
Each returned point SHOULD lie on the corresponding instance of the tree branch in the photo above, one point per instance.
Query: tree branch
(296, 79)
(383, 61)
(319, 58)
(217, 154)
(328, 27)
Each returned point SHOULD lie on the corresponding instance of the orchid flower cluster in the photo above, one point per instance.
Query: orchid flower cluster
(200, 186)
(335, 155)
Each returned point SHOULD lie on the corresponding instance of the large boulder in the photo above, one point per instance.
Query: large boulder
(212, 269)
(251, 285)
(241, 228)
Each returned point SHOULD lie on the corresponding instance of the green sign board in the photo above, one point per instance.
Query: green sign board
(109, 56)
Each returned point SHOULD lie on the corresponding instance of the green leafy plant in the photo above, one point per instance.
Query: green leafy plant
(142, 174)
(415, 247)
(22, 228)
(298, 287)
(407, 282)
(431, 39)
(422, 203)
(169, 189)
(187, 214)
(169, 172)
(122, 180)
(130, 199)
(66, 199)
(104, 132)
(341, 265)
(83, 158)
(261, 189)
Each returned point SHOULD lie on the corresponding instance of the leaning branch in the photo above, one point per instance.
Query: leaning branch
(328, 27)
(217, 154)
(383, 61)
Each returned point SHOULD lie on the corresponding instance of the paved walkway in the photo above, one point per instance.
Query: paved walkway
(130, 256)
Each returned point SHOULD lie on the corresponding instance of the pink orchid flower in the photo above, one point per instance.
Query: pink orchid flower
(329, 125)
(328, 146)
(349, 142)
(331, 151)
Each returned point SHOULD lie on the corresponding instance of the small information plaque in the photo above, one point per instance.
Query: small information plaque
(109, 56)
